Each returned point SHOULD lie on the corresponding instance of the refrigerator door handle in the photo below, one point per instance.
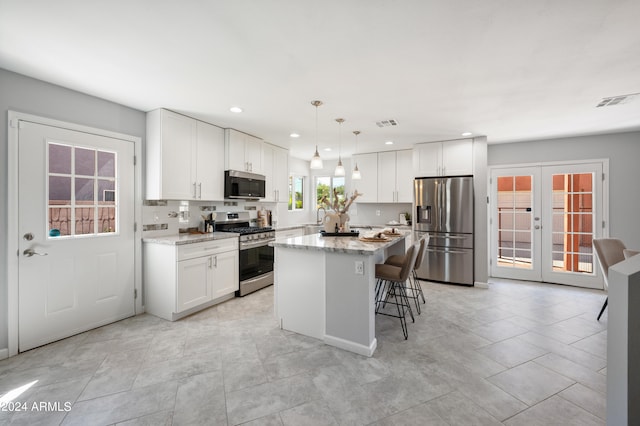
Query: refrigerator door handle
(452, 237)
(446, 251)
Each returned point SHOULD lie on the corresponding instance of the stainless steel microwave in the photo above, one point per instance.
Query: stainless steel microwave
(243, 185)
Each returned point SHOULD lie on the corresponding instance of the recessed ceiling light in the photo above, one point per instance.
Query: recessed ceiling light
(327, 149)
(467, 134)
(388, 143)
(294, 135)
(235, 109)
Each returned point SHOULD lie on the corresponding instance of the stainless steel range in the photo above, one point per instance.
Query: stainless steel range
(256, 256)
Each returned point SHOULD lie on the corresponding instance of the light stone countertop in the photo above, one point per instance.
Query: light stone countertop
(181, 239)
(350, 245)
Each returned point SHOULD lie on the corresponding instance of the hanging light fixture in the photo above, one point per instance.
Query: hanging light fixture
(316, 161)
(339, 168)
(356, 173)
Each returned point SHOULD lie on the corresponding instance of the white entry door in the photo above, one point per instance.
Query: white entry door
(76, 228)
(543, 221)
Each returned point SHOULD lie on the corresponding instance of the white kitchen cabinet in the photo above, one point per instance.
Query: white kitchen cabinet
(368, 185)
(276, 172)
(182, 158)
(404, 176)
(225, 274)
(209, 162)
(450, 158)
(182, 279)
(395, 177)
(243, 152)
(193, 284)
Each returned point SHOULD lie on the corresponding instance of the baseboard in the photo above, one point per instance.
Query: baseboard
(350, 346)
(4, 353)
(480, 284)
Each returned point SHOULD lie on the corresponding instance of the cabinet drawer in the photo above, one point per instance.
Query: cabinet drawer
(190, 251)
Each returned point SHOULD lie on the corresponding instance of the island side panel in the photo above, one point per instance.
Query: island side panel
(299, 290)
(350, 317)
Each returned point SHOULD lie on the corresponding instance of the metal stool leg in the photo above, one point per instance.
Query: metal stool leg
(603, 308)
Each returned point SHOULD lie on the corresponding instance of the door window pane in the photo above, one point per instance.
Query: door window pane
(60, 220)
(85, 161)
(59, 190)
(84, 190)
(75, 192)
(106, 219)
(106, 164)
(572, 227)
(59, 158)
(85, 219)
(106, 192)
(515, 200)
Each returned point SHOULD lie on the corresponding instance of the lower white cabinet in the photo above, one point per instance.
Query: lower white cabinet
(182, 279)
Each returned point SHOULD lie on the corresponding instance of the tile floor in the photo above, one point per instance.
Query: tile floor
(514, 354)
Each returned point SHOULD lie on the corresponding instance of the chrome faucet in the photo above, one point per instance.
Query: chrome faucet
(318, 214)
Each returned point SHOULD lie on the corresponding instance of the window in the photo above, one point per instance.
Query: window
(82, 198)
(327, 186)
(296, 192)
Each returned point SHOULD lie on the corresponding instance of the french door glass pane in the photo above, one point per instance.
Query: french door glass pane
(572, 223)
(515, 200)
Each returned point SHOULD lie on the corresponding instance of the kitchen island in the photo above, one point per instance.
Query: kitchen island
(324, 287)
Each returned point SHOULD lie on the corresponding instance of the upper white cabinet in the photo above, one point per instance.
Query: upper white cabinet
(395, 177)
(450, 158)
(276, 172)
(368, 185)
(209, 162)
(387, 177)
(243, 152)
(182, 158)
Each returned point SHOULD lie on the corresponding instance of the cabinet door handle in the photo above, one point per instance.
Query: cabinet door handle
(215, 261)
(200, 192)
(194, 190)
(210, 263)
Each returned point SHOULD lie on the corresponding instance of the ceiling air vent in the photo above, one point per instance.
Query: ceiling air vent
(616, 100)
(387, 123)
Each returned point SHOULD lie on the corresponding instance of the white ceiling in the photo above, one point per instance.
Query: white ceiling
(509, 69)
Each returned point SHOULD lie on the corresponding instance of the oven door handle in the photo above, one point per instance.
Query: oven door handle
(244, 245)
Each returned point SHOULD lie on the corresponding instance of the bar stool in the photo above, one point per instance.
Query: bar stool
(391, 282)
(414, 286)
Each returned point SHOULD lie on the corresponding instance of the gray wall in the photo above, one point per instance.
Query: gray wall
(623, 152)
(27, 95)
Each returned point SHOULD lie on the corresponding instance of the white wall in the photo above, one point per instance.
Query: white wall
(623, 152)
(24, 94)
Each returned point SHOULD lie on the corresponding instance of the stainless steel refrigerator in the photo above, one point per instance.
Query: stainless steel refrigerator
(444, 209)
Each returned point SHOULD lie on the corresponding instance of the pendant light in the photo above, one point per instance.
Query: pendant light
(356, 173)
(316, 161)
(339, 168)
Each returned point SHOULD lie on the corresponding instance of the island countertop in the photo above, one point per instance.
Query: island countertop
(350, 245)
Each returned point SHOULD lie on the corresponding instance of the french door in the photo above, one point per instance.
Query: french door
(543, 221)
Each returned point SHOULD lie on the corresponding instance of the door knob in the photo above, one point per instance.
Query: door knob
(30, 252)
(28, 236)
(537, 227)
